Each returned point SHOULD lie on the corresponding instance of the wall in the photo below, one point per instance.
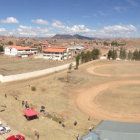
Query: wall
(28, 75)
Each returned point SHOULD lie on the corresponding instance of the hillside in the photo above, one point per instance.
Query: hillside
(67, 36)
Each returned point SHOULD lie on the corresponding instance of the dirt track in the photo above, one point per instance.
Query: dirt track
(91, 70)
(86, 104)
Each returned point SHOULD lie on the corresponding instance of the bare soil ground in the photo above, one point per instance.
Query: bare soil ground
(110, 100)
(86, 94)
(10, 65)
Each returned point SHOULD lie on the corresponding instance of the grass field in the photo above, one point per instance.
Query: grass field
(85, 95)
(10, 65)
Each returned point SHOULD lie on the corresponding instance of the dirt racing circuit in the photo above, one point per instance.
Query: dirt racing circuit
(85, 99)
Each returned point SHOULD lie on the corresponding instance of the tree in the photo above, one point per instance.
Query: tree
(88, 55)
(77, 58)
(95, 53)
(130, 55)
(105, 43)
(114, 43)
(10, 43)
(136, 54)
(123, 53)
(1, 49)
(82, 57)
(109, 54)
(114, 54)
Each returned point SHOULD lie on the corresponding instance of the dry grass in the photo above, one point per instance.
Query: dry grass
(11, 65)
(120, 99)
(58, 96)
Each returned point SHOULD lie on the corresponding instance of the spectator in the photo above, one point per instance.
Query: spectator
(90, 128)
(37, 135)
(35, 132)
(26, 104)
(63, 125)
(22, 103)
(5, 95)
(75, 123)
(77, 138)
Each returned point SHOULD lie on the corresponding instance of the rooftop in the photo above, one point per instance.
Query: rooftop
(59, 50)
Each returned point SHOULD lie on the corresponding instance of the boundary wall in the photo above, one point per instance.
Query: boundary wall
(28, 75)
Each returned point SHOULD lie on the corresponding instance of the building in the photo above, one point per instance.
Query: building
(57, 53)
(110, 130)
(76, 49)
(19, 51)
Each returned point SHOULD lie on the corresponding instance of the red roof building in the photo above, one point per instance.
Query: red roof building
(57, 53)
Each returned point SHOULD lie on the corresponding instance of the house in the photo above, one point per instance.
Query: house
(57, 53)
(19, 51)
(76, 49)
(111, 130)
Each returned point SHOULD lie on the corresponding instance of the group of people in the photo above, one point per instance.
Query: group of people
(26, 104)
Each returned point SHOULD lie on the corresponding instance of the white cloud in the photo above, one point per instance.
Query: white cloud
(61, 28)
(2, 30)
(58, 24)
(32, 31)
(41, 21)
(9, 20)
(77, 29)
(115, 31)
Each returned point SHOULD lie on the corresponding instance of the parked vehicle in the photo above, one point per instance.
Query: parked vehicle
(4, 129)
(7, 128)
(16, 137)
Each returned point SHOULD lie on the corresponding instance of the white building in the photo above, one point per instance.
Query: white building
(76, 49)
(19, 51)
(57, 53)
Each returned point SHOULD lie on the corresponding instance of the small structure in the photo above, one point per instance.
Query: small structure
(30, 114)
(110, 130)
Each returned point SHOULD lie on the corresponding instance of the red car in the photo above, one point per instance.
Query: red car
(16, 137)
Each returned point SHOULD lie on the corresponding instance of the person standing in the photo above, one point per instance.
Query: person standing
(37, 135)
(77, 138)
(75, 123)
(5, 95)
(22, 103)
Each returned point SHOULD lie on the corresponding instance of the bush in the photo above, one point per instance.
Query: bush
(33, 88)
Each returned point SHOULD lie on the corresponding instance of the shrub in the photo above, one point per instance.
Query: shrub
(33, 88)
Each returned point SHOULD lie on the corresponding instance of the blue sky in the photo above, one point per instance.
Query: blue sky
(96, 18)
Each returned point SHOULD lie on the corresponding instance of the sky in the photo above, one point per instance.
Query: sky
(93, 18)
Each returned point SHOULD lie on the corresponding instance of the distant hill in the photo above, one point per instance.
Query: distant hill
(76, 36)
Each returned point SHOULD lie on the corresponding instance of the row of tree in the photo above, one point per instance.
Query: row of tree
(87, 56)
(114, 43)
(123, 54)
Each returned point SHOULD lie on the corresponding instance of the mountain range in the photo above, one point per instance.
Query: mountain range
(76, 36)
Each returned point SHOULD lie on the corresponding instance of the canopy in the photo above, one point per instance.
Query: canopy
(30, 113)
